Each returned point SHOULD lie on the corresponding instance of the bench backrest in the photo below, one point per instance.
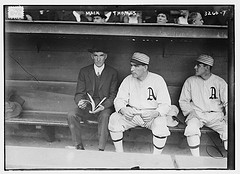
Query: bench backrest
(56, 96)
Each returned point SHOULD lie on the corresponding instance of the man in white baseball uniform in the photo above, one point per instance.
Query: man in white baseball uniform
(203, 101)
(142, 100)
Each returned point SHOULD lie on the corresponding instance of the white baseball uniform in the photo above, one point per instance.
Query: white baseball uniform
(149, 94)
(207, 98)
(140, 94)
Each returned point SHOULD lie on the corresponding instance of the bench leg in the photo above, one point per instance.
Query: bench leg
(48, 133)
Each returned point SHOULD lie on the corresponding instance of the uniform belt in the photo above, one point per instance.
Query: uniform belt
(210, 111)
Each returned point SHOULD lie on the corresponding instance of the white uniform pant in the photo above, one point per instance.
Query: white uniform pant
(213, 120)
(118, 123)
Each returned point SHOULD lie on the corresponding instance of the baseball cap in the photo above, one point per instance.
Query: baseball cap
(206, 59)
(140, 58)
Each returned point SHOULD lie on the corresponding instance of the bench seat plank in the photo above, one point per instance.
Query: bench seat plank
(40, 118)
(48, 102)
(43, 118)
(60, 119)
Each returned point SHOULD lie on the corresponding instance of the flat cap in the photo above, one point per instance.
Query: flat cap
(98, 48)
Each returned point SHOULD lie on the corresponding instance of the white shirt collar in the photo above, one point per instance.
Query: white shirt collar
(98, 70)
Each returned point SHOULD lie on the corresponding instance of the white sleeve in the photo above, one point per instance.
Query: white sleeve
(163, 98)
(185, 98)
(122, 98)
(224, 95)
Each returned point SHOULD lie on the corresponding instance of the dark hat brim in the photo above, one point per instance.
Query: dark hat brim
(199, 61)
(92, 50)
(137, 62)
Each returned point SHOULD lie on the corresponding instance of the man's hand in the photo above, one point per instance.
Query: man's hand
(99, 108)
(149, 115)
(128, 112)
(82, 104)
(191, 115)
(138, 120)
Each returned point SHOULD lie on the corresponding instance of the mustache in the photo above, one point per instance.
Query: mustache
(133, 73)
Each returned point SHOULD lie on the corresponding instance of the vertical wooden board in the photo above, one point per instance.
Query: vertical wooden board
(175, 69)
(174, 92)
(45, 96)
(47, 65)
(61, 57)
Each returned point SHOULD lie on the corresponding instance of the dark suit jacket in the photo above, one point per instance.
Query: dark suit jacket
(107, 87)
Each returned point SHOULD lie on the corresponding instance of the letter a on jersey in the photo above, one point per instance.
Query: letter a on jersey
(213, 93)
(151, 95)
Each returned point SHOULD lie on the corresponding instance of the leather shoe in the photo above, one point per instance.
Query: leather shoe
(80, 147)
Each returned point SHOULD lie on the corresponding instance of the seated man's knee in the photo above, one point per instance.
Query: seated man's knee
(105, 114)
(71, 115)
(159, 127)
(191, 130)
(72, 119)
(114, 124)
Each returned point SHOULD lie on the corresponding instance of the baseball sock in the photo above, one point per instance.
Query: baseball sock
(158, 144)
(193, 143)
(117, 138)
(225, 143)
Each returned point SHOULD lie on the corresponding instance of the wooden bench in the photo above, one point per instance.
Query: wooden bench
(47, 104)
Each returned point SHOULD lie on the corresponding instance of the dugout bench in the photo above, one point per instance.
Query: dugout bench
(43, 59)
(47, 104)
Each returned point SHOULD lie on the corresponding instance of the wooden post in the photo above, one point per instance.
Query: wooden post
(231, 91)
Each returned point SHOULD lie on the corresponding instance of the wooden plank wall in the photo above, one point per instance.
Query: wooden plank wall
(56, 96)
(58, 58)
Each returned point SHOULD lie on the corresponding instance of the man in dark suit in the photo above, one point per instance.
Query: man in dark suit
(99, 80)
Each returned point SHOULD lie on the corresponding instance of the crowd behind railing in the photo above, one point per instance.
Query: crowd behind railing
(215, 16)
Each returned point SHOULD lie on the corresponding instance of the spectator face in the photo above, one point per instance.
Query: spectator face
(184, 12)
(99, 58)
(98, 19)
(198, 20)
(162, 18)
(138, 71)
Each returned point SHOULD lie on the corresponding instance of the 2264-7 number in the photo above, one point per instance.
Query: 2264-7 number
(214, 13)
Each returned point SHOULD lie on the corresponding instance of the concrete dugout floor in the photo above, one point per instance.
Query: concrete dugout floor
(135, 140)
